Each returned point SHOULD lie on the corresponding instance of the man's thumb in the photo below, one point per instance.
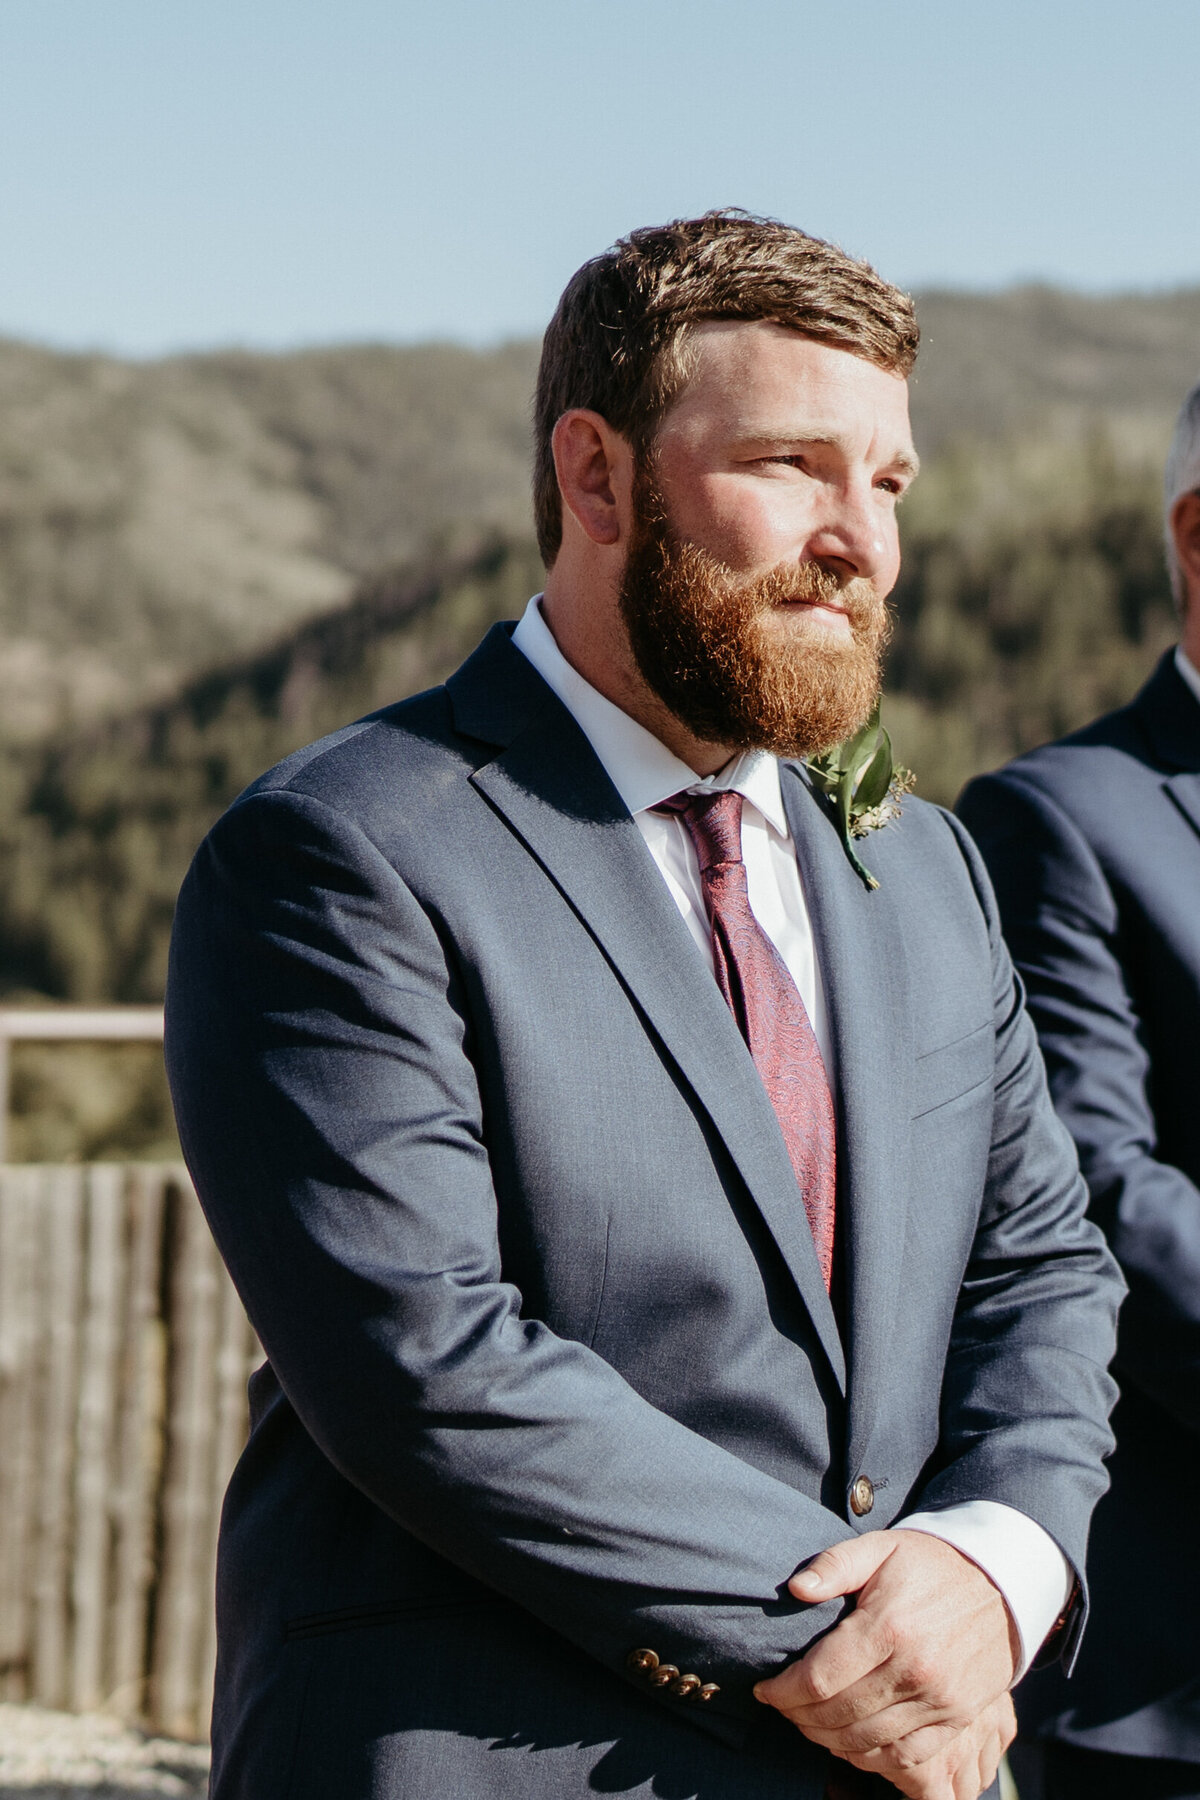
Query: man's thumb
(843, 1568)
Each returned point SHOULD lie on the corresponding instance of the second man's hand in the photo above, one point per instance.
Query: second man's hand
(927, 1653)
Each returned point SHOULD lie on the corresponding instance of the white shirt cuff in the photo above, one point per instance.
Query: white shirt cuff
(1033, 1575)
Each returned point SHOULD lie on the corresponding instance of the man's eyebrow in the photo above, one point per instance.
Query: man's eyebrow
(906, 461)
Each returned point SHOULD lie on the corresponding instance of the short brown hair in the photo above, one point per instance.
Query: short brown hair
(617, 342)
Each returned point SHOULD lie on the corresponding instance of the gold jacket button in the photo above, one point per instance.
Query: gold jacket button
(862, 1496)
(664, 1675)
(686, 1686)
(643, 1662)
(708, 1690)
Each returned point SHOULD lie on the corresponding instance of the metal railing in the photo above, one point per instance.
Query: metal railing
(68, 1024)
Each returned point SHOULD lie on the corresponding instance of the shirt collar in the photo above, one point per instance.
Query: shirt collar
(639, 765)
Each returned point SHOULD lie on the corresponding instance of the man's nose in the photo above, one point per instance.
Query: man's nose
(854, 536)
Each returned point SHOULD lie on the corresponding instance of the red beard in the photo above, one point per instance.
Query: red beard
(722, 658)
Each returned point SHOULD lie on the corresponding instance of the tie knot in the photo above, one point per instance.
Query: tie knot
(714, 822)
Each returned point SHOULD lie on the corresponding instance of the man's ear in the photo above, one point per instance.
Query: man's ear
(594, 465)
(1185, 531)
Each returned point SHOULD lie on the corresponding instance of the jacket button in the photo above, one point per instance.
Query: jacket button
(642, 1662)
(862, 1496)
(664, 1675)
(686, 1686)
(708, 1690)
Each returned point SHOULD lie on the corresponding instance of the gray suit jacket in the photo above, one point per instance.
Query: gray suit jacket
(552, 1372)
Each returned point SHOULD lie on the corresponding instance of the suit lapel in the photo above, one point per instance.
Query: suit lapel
(549, 787)
(860, 953)
(1169, 714)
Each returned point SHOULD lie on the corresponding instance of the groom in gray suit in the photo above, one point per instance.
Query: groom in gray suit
(686, 1349)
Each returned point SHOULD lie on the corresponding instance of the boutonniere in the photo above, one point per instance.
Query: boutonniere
(864, 784)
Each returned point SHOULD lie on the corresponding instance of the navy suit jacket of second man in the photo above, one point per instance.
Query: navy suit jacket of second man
(1094, 848)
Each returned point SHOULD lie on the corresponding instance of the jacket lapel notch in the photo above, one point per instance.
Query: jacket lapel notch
(497, 693)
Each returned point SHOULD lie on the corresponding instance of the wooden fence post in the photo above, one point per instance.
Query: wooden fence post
(139, 1444)
(99, 1346)
(21, 1326)
(5, 1092)
(62, 1272)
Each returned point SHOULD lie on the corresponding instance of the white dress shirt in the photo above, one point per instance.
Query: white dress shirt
(1023, 1560)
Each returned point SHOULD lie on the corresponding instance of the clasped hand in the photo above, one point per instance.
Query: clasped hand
(913, 1684)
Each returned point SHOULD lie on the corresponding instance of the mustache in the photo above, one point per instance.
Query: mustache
(790, 583)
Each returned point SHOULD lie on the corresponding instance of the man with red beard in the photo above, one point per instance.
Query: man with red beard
(686, 1351)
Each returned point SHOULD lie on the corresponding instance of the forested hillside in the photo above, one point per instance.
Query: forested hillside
(1037, 359)
(159, 517)
(94, 849)
(206, 562)
(97, 831)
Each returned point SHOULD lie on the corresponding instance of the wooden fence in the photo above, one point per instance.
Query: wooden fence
(124, 1355)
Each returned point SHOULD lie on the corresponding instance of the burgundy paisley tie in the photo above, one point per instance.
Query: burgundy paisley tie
(766, 1003)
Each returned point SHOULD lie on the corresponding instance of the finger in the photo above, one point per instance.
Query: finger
(928, 1750)
(972, 1777)
(843, 1568)
(930, 1781)
(966, 1766)
(882, 1734)
(861, 1736)
(1007, 1722)
(992, 1755)
(989, 1764)
(925, 1743)
(938, 1780)
(852, 1651)
(992, 1734)
(895, 1696)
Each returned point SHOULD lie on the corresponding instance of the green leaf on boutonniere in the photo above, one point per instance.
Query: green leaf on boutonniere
(863, 784)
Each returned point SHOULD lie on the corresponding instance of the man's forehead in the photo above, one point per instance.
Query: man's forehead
(755, 377)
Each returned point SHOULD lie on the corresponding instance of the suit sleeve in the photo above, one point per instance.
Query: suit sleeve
(319, 1049)
(1027, 1394)
(1062, 921)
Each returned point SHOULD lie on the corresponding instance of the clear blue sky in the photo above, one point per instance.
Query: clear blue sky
(191, 172)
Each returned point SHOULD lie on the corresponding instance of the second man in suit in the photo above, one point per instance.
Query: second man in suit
(1094, 848)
